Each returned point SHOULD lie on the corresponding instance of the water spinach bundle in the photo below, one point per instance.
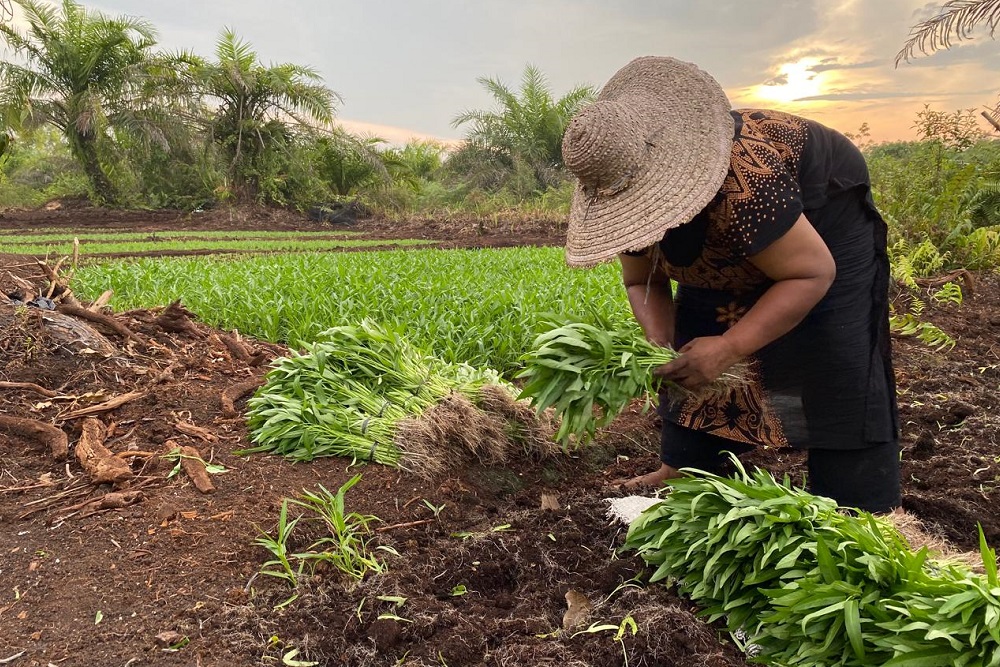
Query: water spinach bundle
(813, 585)
(352, 392)
(575, 367)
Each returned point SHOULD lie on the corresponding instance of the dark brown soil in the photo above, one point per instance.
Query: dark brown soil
(484, 570)
(455, 233)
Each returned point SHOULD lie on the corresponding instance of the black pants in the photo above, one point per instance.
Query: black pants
(867, 479)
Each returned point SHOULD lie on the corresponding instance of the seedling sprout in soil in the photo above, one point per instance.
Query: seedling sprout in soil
(176, 455)
(345, 546)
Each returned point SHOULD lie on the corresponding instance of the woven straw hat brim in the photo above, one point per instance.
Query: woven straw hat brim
(688, 132)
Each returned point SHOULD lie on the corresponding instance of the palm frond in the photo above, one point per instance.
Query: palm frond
(234, 51)
(955, 20)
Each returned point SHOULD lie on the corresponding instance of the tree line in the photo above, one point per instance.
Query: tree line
(155, 128)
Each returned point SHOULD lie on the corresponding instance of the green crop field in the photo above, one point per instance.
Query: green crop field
(45, 235)
(185, 243)
(476, 306)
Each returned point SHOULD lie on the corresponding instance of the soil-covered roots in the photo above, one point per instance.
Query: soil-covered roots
(491, 431)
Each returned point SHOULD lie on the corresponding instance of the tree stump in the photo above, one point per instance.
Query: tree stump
(61, 330)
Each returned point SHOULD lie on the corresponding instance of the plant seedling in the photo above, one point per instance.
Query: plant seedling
(175, 455)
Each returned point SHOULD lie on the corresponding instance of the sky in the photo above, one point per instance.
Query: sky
(405, 68)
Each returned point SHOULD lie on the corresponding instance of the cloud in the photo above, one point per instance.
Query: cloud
(867, 95)
(833, 65)
(412, 66)
(391, 134)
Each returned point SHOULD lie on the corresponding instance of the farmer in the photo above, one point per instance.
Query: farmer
(766, 222)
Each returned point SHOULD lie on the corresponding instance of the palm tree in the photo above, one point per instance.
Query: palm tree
(81, 68)
(527, 126)
(348, 164)
(253, 108)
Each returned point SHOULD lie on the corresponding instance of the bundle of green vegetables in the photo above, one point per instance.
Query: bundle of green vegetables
(347, 394)
(575, 367)
(813, 585)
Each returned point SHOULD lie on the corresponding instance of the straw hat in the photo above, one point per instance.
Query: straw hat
(650, 153)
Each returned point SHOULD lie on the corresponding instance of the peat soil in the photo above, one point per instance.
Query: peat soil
(170, 576)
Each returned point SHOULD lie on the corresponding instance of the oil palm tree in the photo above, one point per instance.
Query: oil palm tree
(80, 71)
(253, 109)
(527, 125)
(348, 164)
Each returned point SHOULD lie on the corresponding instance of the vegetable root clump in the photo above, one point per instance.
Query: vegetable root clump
(490, 430)
(366, 393)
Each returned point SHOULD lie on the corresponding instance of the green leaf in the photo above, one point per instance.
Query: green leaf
(825, 561)
(852, 624)
(989, 559)
(939, 656)
(397, 600)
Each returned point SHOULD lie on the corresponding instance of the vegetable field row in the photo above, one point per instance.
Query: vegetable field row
(481, 307)
(45, 235)
(63, 247)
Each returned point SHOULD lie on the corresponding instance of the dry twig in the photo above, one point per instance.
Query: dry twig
(408, 524)
(196, 431)
(31, 386)
(101, 301)
(115, 402)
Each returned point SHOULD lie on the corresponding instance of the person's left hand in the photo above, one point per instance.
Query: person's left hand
(702, 361)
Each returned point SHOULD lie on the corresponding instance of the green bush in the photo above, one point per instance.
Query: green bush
(944, 189)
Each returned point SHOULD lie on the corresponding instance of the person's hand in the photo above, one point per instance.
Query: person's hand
(702, 361)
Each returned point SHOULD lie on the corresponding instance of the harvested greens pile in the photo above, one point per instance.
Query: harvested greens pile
(575, 367)
(354, 391)
(812, 585)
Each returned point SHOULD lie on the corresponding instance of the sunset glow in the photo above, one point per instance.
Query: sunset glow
(794, 81)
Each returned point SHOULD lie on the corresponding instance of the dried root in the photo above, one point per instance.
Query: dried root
(102, 466)
(234, 393)
(53, 438)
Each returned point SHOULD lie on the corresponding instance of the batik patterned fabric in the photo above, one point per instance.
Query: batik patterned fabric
(828, 383)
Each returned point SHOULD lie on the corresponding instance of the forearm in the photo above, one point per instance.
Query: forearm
(783, 306)
(654, 311)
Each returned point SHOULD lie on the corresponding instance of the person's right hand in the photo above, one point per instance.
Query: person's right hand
(700, 363)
